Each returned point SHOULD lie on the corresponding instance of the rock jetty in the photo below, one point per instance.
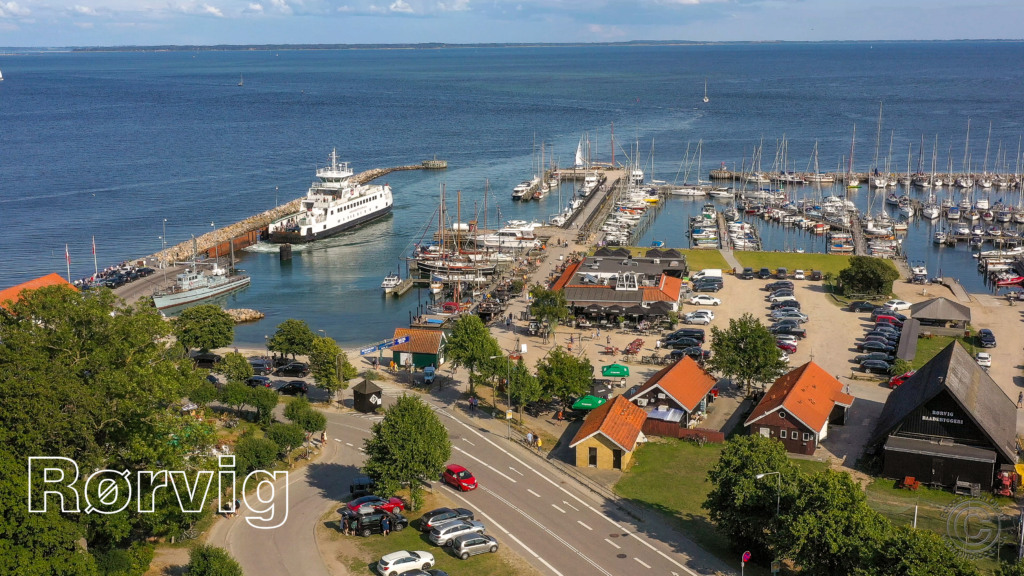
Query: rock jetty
(242, 315)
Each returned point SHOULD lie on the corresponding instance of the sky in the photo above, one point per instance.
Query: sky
(56, 23)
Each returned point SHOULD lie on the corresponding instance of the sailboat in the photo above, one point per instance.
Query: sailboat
(1, 76)
(241, 81)
(851, 179)
(706, 99)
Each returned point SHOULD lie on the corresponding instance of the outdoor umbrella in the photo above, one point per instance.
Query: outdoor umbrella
(615, 309)
(614, 371)
(660, 307)
(593, 309)
(588, 402)
(636, 310)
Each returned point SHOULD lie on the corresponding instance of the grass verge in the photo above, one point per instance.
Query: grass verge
(825, 262)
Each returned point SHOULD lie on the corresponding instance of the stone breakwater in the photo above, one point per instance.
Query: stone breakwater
(183, 252)
(242, 315)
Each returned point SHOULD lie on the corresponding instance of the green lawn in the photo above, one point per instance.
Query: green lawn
(927, 348)
(825, 262)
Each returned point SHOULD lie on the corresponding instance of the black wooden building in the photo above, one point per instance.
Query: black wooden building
(948, 423)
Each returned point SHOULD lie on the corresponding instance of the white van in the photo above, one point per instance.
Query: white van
(707, 273)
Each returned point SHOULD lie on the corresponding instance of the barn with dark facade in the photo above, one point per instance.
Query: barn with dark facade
(949, 423)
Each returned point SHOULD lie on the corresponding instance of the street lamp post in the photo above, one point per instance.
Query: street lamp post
(778, 489)
(266, 342)
(508, 393)
(163, 240)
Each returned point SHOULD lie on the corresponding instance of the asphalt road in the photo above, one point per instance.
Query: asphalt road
(545, 517)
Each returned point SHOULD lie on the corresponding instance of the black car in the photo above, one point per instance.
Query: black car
(874, 356)
(143, 272)
(786, 322)
(708, 282)
(785, 304)
(876, 366)
(697, 353)
(876, 312)
(779, 285)
(782, 273)
(888, 336)
(370, 523)
(438, 515)
(300, 369)
(793, 330)
(206, 360)
(260, 366)
(746, 274)
(875, 347)
(764, 274)
(695, 333)
(881, 339)
(680, 343)
(861, 306)
(258, 382)
(294, 387)
(707, 287)
(986, 339)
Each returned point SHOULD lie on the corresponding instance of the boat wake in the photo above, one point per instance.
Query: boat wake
(270, 247)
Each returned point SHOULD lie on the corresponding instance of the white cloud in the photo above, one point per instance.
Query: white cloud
(84, 25)
(281, 6)
(12, 9)
(84, 10)
(401, 6)
(454, 6)
(254, 8)
(212, 10)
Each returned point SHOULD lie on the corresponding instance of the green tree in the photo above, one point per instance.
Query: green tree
(563, 375)
(910, 552)
(1014, 569)
(325, 359)
(828, 528)
(548, 305)
(868, 275)
(264, 400)
(206, 560)
(203, 393)
(235, 395)
(408, 446)
(301, 413)
(746, 352)
(286, 436)
(523, 387)
(205, 326)
(236, 367)
(292, 337)
(743, 506)
(900, 366)
(255, 453)
(470, 344)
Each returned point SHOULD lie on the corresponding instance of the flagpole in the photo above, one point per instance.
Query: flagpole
(95, 266)
(67, 257)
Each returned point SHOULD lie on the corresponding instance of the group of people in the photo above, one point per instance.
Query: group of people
(350, 525)
(533, 440)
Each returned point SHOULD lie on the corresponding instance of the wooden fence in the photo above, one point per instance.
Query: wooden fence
(654, 427)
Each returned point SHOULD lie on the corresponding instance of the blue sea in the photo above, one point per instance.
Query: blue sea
(110, 144)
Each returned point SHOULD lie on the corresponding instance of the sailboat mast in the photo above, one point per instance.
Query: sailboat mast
(487, 186)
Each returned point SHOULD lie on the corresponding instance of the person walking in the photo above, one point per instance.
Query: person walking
(538, 443)
(353, 525)
(608, 339)
(385, 525)
(1020, 400)
(529, 438)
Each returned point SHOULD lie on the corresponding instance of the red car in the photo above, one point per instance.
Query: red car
(459, 478)
(897, 380)
(787, 347)
(367, 503)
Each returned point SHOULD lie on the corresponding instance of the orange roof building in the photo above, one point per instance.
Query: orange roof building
(609, 434)
(424, 348)
(798, 408)
(13, 294)
(678, 393)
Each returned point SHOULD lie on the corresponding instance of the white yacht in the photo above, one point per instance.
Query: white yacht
(515, 235)
(195, 285)
(521, 189)
(391, 281)
(333, 204)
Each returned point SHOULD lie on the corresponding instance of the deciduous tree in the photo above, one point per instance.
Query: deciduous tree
(255, 453)
(301, 413)
(548, 305)
(292, 337)
(205, 326)
(235, 395)
(235, 367)
(325, 360)
(286, 436)
(471, 345)
(746, 352)
(913, 552)
(563, 375)
(523, 387)
(868, 275)
(264, 400)
(408, 446)
(206, 560)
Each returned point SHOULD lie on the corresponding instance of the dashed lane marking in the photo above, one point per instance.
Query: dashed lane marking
(492, 468)
(532, 492)
(516, 471)
(570, 506)
(642, 563)
(616, 546)
(466, 440)
(557, 508)
(580, 522)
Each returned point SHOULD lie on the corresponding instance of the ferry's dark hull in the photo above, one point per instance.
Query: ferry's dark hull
(296, 238)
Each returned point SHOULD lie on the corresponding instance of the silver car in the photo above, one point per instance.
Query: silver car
(445, 533)
(472, 544)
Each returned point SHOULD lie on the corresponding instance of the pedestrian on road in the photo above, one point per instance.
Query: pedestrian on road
(385, 525)
(598, 332)
(238, 506)
(323, 437)
(657, 345)
(608, 339)
(1020, 400)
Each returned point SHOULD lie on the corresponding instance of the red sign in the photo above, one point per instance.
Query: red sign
(746, 556)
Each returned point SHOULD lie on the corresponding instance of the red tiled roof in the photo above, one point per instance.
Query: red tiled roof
(619, 420)
(566, 276)
(13, 294)
(808, 393)
(668, 290)
(685, 381)
(421, 341)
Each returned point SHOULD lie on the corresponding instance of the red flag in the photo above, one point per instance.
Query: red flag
(67, 256)
(93, 245)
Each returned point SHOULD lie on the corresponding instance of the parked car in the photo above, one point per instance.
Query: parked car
(798, 274)
(258, 382)
(746, 274)
(260, 366)
(438, 516)
(473, 544)
(300, 369)
(707, 287)
(816, 275)
(779, 292)
(784, 304)
(294, 387)
(404, 561)
(792, 330)
(764, 273)
(207, 360)
(895, 381)
(787, 338)
(361, 486)
(680, 344)
(881, 339)
(984, 359)
(443, 535)
(784, 357)
(861, 306)
(429, 373)
(986, 339)
(873, 356)
(367, 524)
(883, 327)
(695, 333)
(779, 285)
(875, 347)
(705, 300)
(897, 304)
(882, 319)
(781, 273)
(883, 311)
(694, 318)
(459, 477)
(787, 347)
(885, 336)
(785, 322)
(788, 313)
(781, 298)
(696, 352)
(373, 502)
(875, 366)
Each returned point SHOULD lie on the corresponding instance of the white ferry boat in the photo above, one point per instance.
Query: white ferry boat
(332, 205)
(195, 285)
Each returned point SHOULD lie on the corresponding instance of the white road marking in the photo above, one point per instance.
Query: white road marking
(492, 468)
(532, 492)
(516, 471)
(570, 506)
(616, 546)
(350, 444)
(468, 442)
(580, 522)
(642, 563)
(557, 508)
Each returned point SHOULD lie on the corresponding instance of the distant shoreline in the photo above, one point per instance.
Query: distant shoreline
(7, 51)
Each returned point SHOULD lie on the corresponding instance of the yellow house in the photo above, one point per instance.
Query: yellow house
(609, 434)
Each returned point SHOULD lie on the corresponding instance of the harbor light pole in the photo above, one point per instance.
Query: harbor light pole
(508, 393)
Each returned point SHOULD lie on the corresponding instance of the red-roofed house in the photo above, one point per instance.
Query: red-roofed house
(609, 434)
(13, 294)
(798, 408)
(424, 348)
(676, 395)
